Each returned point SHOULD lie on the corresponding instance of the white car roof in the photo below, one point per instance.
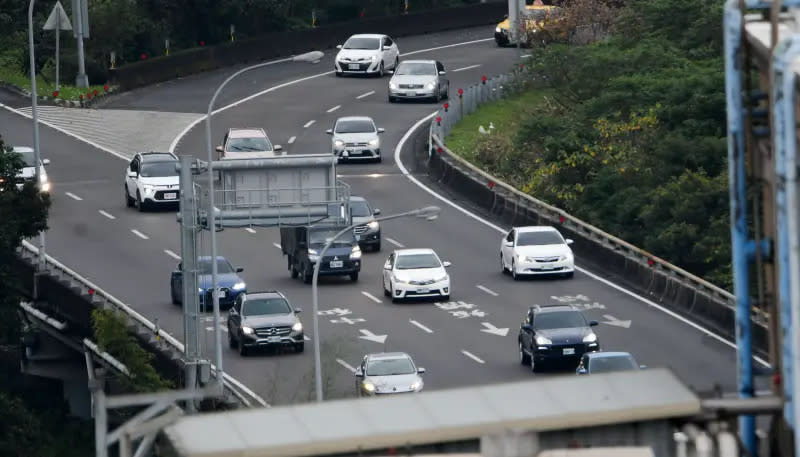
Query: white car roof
(414, 251)
(247, 133)
(418, 61)
(367, 35)
(388, 356)
(355, 118)
(535, 228)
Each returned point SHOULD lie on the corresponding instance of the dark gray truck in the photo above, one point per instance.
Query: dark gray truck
(303, 245)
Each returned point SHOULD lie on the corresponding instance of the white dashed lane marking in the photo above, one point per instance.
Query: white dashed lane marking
(466, 68)
(250, 230)
(73, 196)
(472, 356)
(396, 243)
(487, 290)
(426, 329)
(276, 245)
(140, 234)
(106, 214)
(334, 108)
(309, 124)
(365, 95)
(346, 365)
(172, 254)
(291, 139)
(371, 297)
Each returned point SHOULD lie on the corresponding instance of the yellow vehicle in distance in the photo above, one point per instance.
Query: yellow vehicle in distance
(539, 19)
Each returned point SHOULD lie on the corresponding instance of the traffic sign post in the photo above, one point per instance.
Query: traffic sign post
(58, 21)
(80, 16)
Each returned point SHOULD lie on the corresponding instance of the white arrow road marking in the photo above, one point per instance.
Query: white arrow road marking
(487, 290)
(371, 297)
(337, 311)
(346, 365)
(420, 326)
(309, 124)
(140, 234)
(616, 322)
(494, 330)
(466, 68)
(108, 215)
(251, 230)
(334, 108)
(172, 254)
(472, 356)
(394, 242)
(73, 196)
(291, 139)
(367, 335)
(366, 94)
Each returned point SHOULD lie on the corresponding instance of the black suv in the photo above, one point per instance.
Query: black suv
(555, 333)
(264, 319)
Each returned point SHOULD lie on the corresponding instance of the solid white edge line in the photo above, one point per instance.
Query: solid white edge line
(394, 242)
(424, 328)
(291, 139)
(487, 290)
(106, 214)
(474, 216)
(346, 365)
(172, 254)
(250, 229)
(367, 94)
(334, 108)
(472, 356)
(309, 123)
(371, 297)
(140, 234)
(73, 196)
(466, 68)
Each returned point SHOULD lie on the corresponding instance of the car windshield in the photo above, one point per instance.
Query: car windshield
(416, 68)
(389, 367)
(413, 261)
(323, 236)
(248, 144)
(612, 363)
(363, 43)
(359, 126)
(265, 306)
(27, 157)
(360, 209)
(559, 319)
(158, 170)
(538, 238)
(223, 266)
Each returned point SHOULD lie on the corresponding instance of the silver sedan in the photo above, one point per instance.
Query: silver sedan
(388, 373)
(419, 79)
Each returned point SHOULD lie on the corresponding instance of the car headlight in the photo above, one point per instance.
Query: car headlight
(239, 285)
(440, 279)
(562, 258)
(590, 338)
(498, 30)
(368, 386)
(313, 255)
(543, 341)
(392, 86)
(430, 85)
(247, 330)
(373, 225)
(374, 58)
(356, 253)
(400, 280)
(297, 327)
(338, 143)
(416, 385)
(148, 189)
(374, 143)
(45, 186)
(529, 259)
(200, 289)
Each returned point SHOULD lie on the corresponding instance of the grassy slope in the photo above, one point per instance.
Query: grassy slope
(44, 88)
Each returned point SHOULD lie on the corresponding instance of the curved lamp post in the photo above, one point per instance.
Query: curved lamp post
(428, 213)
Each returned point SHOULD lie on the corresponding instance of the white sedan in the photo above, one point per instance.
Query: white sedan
(410, 273)
(536, 250)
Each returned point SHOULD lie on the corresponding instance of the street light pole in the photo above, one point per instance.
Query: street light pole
(313, 56)
(42, 259)
(428, 212)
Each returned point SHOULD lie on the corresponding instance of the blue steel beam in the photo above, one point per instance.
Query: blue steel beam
(783, 90)
(733, 26)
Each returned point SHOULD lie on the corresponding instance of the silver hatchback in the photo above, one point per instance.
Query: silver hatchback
(388, 373)
(419, 79)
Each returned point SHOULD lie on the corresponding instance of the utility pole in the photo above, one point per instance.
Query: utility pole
(80, 15)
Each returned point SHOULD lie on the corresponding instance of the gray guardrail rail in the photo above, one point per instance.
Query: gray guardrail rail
(659, 280)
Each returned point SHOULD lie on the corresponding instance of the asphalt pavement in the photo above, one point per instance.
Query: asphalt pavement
(469, 340)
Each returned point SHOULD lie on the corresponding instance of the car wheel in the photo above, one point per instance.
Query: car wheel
(386, 292)
(503, 264)
(377, 247)
(446, 297)
(299, 347)
(242, 348)
(396, 63)
(293, 269)
(379, 159)
(231, 341)
(381, 71)
(174, 298)
(128, 199)
(447, 93)
(354, 276)
(514, 271)
(139, 202)
(338, 74)
(305, 275)
(391, 99)
(570, 274)
(391, 292)
(533, 365)
(524, 358)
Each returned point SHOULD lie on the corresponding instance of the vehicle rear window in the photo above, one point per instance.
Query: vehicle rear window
(389, 367)
(158, 169)
(248, 145)
(559, 319)
(606, 364)
(362, 43)
(359, 126)
(265, 306)
(538, 238)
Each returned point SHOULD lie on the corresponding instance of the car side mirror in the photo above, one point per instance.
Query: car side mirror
(132, 174)
(446, 263)
(239, 269)
(381, 129)
(442, 72)
(338, 46)
(527, 327)
(510, 244)
(277, 147)
(421, 370)
(232, 311)
(582, 371)
(359, 373)
(219, 149)
(46, 162)
(569, 241)
(329, 131)
(298, 310)
(376, 212)
(387, 266)
(593, 323)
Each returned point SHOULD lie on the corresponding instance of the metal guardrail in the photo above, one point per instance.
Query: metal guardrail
(498, 87)
(241, 392)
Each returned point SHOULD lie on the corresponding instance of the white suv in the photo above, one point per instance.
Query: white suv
(151, 178)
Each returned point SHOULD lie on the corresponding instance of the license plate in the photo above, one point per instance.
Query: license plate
(358, 237)
(273, 339)
(569, 351)
(356, 152)
(222, 294)
(170, 196)
(336, 264)
(411, 94)
(354, 66)
(423, 291)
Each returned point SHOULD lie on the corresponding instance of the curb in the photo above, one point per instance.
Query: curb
(83, 103)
